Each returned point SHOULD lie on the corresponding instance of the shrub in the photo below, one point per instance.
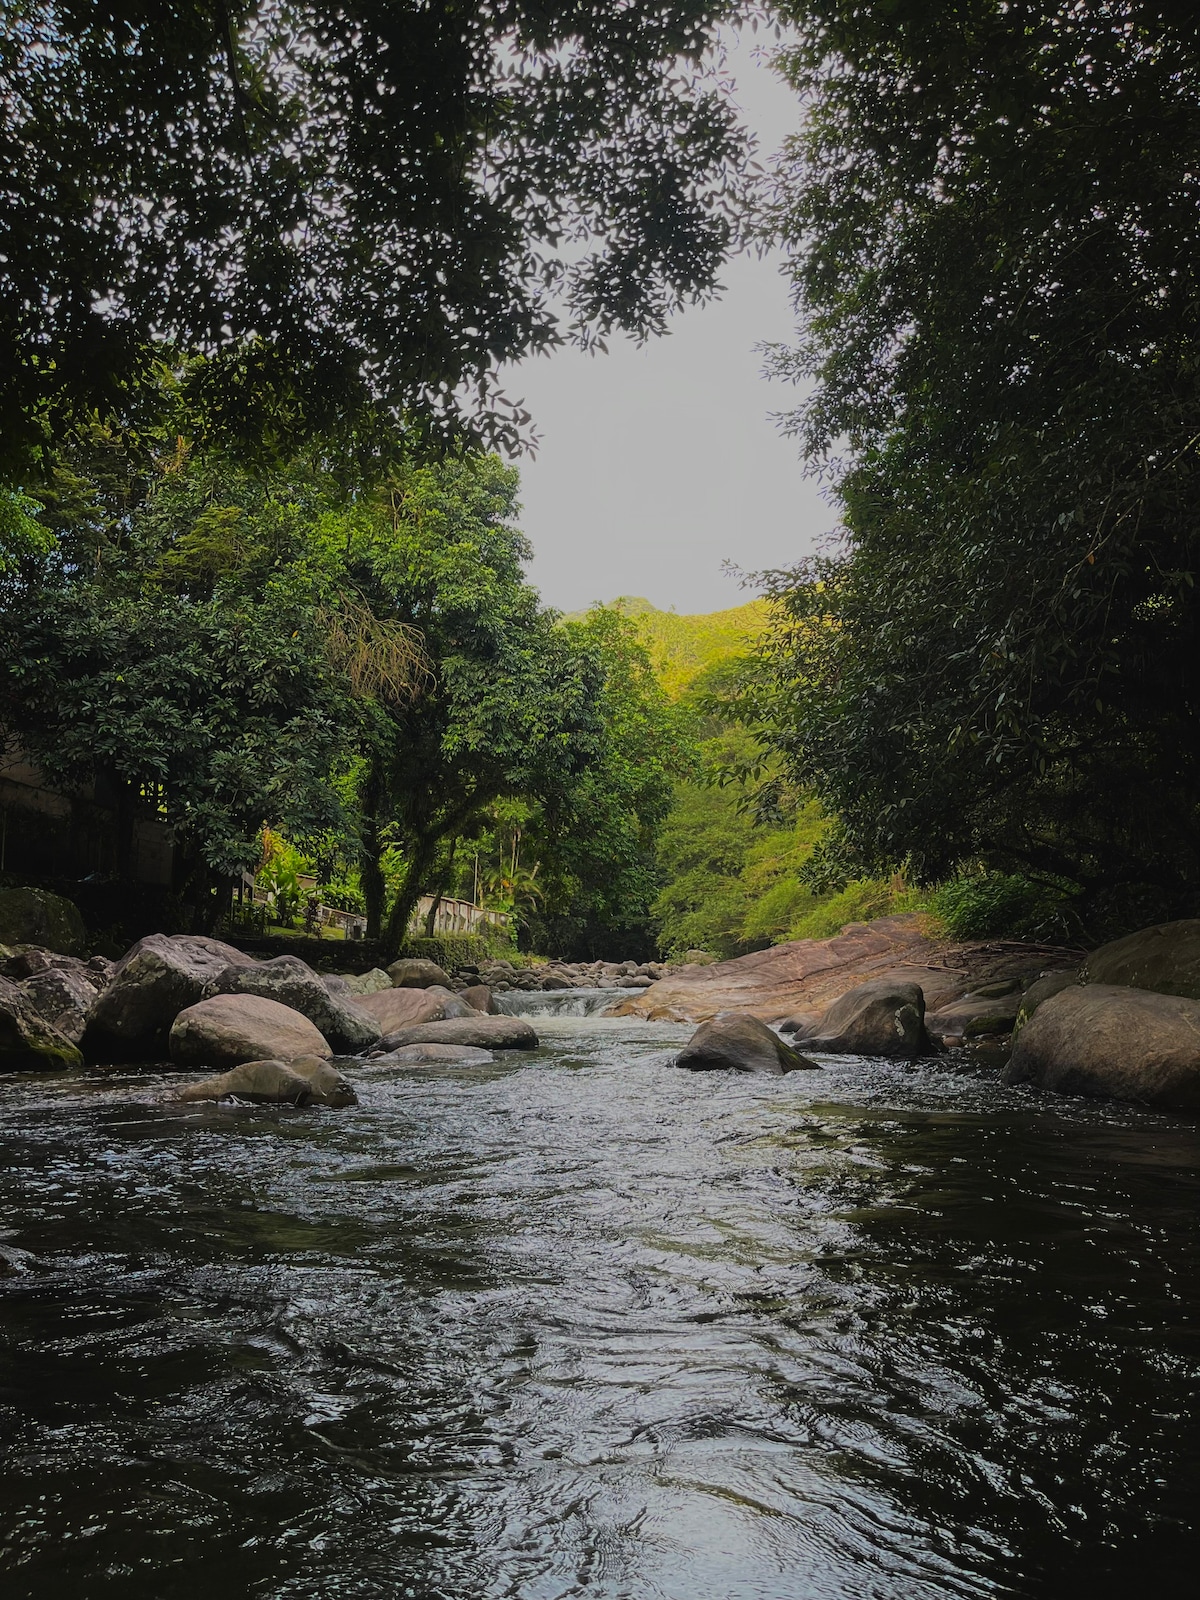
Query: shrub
(860, 901)
(994, 905)
(452, 950)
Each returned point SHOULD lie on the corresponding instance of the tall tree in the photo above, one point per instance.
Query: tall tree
(993, 213)
(356, 210)
(510, 707)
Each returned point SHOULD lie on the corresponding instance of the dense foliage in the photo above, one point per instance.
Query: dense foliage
(993, 213)
(353, 210)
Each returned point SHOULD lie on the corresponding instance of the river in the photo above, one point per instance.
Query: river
(584, 1325)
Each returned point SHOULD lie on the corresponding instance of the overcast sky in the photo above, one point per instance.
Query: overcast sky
(656, 465)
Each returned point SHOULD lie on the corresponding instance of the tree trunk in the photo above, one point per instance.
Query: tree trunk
(373, 886)
(443, 878)
(416, 872)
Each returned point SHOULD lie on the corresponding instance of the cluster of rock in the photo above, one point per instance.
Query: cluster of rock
(270, 1028)
(1124, 1025)
(503, 975)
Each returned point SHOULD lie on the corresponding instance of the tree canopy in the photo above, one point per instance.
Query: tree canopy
(993, 215)
(352, 210)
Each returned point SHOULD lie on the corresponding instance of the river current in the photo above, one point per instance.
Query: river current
(583, 1325)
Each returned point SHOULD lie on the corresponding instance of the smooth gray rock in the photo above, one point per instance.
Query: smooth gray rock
(740, 1042)
(152, 983)
(435, 1055)
(486, 1033)
(307, 1081)
(1111, 1041)
(974, 1016)
(344, 1024)
(230, 1029)
(880, 1018)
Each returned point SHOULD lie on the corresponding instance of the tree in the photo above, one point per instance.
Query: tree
(596, 839)
(177, 648)
(354, 210)
(993, 214)
(509, 707)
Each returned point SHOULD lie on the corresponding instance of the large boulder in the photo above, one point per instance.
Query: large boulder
(803, 974)
(1165, 959)
(486, 1033)
(415, 973)
(308, 1081)
(28, 1043)
(740, 1042)
(402, 1008)
(232, 1028)
(344, 1023)
(881, 1018)
(152, 983)
(1108, 1040)
(64, 997)
(35, 916)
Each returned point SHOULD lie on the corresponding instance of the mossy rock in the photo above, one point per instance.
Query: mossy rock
(1164, 959)
(35, 916)
(1044, 988)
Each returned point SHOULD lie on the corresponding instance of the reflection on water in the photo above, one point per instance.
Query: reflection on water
(582, 1325)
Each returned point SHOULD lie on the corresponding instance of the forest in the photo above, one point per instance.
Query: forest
(261, 564)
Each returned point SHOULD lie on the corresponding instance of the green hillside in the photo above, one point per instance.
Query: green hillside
(681, 647)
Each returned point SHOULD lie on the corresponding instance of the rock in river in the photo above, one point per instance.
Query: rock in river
(1109, 1040)
(346, 1025)
(480, 998)
(740, 1042)
(151, 985)
(232, 1028)
(403, 1008)
(487, 1033)
(307, 1081)
(28, 1043)
(435, 1055)
(881, 1018)
(64, 997)
(415, 973)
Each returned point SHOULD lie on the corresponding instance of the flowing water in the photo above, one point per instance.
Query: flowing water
(581, 1324)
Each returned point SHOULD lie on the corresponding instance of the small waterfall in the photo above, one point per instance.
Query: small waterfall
(559, 1002)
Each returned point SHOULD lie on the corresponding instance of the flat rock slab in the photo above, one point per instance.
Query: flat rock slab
(1114, 1042)
(434, 1055)
(405, 1008)
(485, 1033)
(807, 975)
(740, 1043)
(230, 1029)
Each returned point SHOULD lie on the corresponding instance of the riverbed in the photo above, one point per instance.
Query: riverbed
(583, 1325)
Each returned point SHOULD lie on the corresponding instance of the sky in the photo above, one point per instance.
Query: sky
(657, 465)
